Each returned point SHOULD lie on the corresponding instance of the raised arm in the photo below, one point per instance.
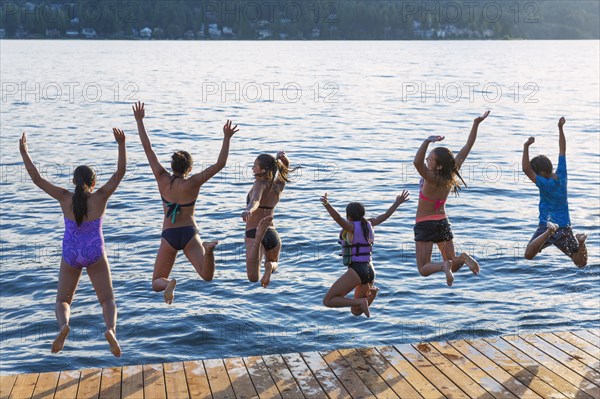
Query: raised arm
(157, 168)
(562, 142)
(344, 224)
(206, 174)
(525, 162)
(384, 216)
(419, 161)
(111, 185)
(55, 192)
(464, 152)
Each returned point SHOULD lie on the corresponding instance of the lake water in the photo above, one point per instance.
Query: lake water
(352, 114)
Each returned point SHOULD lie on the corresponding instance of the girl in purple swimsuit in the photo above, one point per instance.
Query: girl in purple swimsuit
(179, 192)
(440, 176)
(83, 242)
(357, 239)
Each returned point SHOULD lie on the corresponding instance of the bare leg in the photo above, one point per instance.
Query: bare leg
(202, 257)
(368, 291)
(581, 256)
(68, 279)
(165, 259)
(535, 245)
(254, 249)
(426, 267)
(271, 264)
(100, 277)
(336, 296)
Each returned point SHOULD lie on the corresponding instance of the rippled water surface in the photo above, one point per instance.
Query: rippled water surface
(353, 115)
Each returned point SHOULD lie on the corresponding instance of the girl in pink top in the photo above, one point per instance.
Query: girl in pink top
(440, 175)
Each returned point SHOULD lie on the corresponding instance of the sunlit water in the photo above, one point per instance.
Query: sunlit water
(353, 115)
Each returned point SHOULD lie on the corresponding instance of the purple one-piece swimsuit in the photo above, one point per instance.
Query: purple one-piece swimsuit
(83, 245)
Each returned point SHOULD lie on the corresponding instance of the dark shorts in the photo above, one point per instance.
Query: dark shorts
(178, 237)
(364, 270)
(563, 239)
(269, 241)
(433, 231)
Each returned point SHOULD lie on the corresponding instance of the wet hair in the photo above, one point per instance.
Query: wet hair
(272, 166)
(82, 176)
(448, 174)
(181, 162)
(356, 212)
(541, 164)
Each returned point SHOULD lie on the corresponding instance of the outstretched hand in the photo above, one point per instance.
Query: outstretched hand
(433, 139)
(119, 135)
(229, 131)
(138, 111)
(23, 144)
(481, 118)
(324, 200)
(561, 122)
(530, 141)
(280, 154)
(402, 197)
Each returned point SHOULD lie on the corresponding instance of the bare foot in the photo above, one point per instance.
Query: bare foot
(472, 263)
(210, 246)
(364, 306)
(170, 292)
(552, 227)
(263, 225)
(115, 349)
(270, 267)
(447, 268)
(59, 341)
(581, 237)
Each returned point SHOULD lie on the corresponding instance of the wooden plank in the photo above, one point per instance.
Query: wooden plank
(24, 386)
(512, 384)
(550, 377)
(452, 372)
(470, 368)
(110, 383)
(429, 371)
(68, 384)
(132, 385)
(385, 370)
(154, 381)
(218, 379)
(588, 336)
(410, 373)
(594, 331)
(6, 385)
(304, 377)
(541, 357)
(240, 379)
(175, 382)
(261, 378)
(46, 385)
(529, 379)
(197, 380)
(326, 378)
(569, 356)
(347, 376)
(579, 343)
(287, 386)
(89, 384)
(367, 374)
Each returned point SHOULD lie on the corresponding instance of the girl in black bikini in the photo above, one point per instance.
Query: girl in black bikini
(271, 175)
(179, 192)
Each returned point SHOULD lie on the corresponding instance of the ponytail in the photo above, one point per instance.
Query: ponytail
(365, 228)
(82, 176)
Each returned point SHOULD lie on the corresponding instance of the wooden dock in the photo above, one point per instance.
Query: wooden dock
(546, 365)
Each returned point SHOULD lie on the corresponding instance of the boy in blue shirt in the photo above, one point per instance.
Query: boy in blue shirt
(555, 224)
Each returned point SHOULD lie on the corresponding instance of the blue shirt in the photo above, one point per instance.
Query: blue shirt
(553, 196)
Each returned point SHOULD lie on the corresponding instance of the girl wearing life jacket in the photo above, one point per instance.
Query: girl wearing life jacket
(179, 192)
(262, 239)
(357, 239)
(83, 241)
(440, 175)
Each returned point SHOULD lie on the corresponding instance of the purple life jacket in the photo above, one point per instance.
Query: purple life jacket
(359, 250)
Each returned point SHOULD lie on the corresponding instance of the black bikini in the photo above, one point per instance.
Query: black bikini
(271, 238)
(177, 237)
